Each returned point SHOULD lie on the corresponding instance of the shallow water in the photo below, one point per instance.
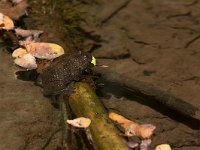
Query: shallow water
(144, 39)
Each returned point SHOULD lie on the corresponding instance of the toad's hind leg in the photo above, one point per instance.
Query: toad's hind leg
(69, 89)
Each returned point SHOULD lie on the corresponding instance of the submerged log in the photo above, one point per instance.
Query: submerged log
(85, 103)
(150, 92)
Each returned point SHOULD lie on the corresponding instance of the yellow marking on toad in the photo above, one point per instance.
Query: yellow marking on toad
(93, 61)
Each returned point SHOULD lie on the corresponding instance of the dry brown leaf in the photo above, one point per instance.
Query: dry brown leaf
(80, 122)
(131, 128)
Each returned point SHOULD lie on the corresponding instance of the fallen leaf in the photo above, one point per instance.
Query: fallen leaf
(19, 52)
(26, 33)
(1, 18)
(163, 147)
(131, 128)
(80, 122)
(26, 61)
(44, 50)
(6, 22)
(144, 131)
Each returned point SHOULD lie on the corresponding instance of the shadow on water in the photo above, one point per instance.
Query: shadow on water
(120, 91)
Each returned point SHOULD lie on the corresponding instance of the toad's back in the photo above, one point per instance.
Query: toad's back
(63, 70)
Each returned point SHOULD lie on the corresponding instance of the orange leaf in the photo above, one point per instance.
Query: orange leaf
(131, 128)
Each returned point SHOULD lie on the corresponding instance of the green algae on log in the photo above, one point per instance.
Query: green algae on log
(85, 103)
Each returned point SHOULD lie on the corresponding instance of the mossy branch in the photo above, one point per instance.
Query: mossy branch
(85, 103)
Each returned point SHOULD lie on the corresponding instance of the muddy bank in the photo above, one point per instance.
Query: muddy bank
(28, 119)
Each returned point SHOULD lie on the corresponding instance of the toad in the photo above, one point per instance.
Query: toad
(63, 70)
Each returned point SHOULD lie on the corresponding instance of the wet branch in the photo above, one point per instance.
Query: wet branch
(85, 103)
